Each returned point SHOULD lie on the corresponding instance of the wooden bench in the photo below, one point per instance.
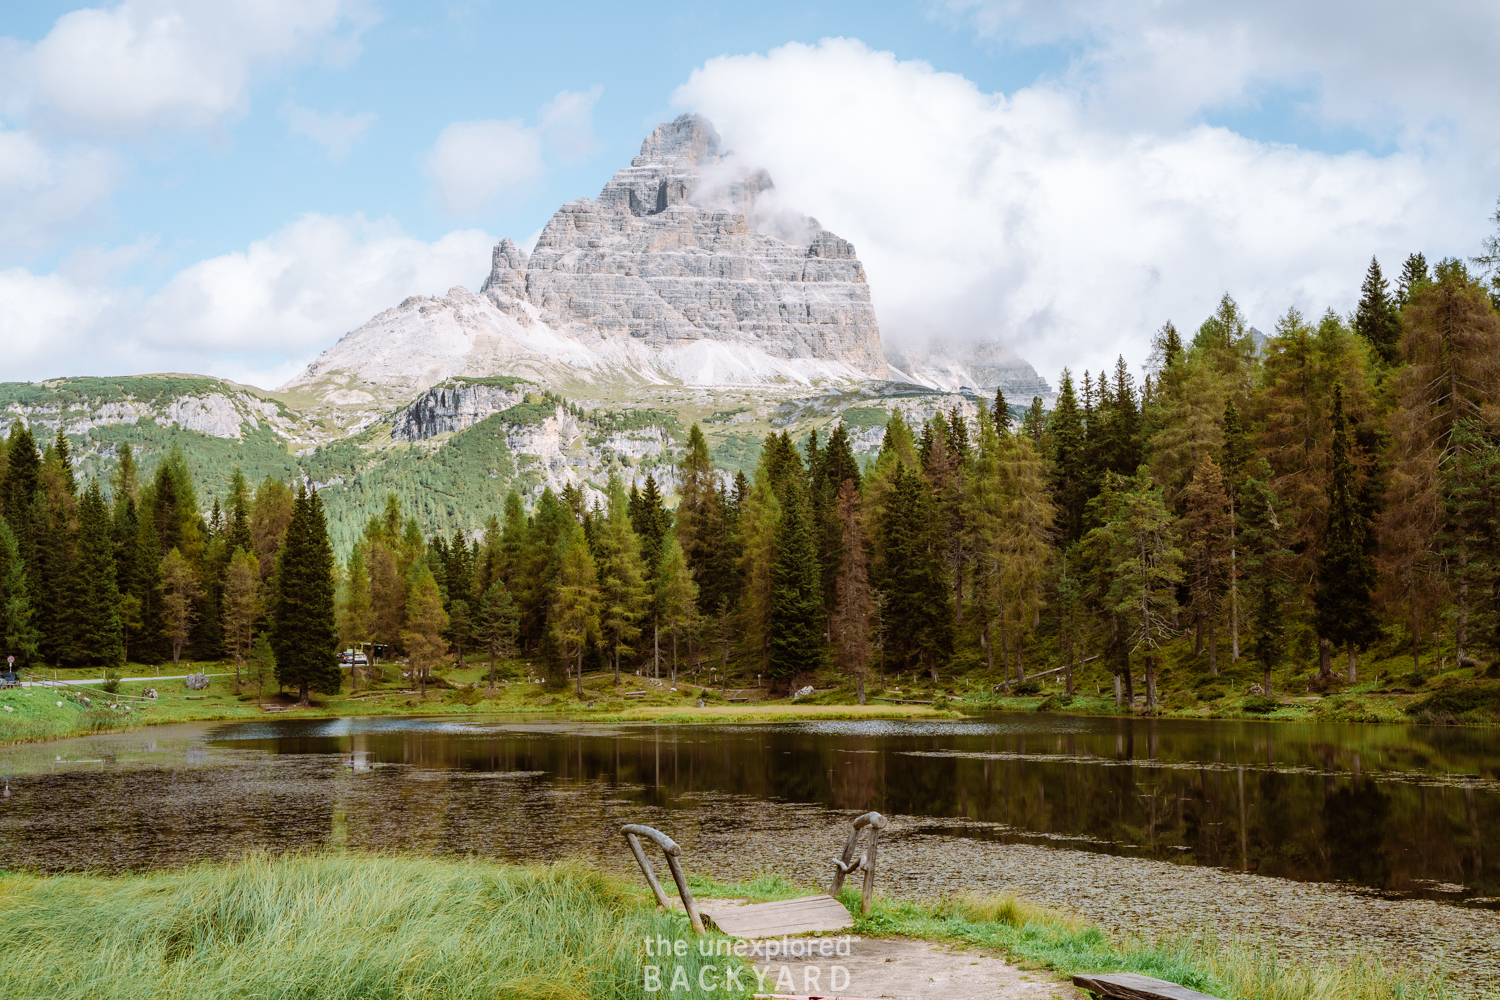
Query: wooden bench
(806, 915)
(1131, 986)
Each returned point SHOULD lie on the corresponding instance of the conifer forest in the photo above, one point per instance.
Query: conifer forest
(1294, 501)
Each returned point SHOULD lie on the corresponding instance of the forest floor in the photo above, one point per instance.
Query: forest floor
(1388, 691)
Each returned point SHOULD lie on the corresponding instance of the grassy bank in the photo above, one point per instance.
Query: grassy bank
(1041, 938)
(34, 712)
(331, 927)
(353, 926)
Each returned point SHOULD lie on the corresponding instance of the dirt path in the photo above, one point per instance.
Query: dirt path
(905, 969)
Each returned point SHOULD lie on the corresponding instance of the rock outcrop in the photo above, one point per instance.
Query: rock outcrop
(447, 408)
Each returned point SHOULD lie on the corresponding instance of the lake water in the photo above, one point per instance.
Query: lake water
(1402, 811)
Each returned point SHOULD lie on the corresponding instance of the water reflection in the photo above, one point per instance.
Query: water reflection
(1392, 808)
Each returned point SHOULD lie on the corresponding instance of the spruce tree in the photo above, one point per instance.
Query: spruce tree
(1002, 410)
(918, 615)
(1207, 530)
(796, 621)
(622, 580)
(96, 634)
(1469, 532)
(1262, 521)
(1414, 278)
(1377, 318)
(1068, 477)
(17, 634)
(304, 630)
(498, 624)
(1346, 575)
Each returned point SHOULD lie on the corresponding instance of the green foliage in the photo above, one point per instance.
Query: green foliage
(304, 633)
(336, 926)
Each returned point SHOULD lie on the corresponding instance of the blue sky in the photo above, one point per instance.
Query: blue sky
(229, 187)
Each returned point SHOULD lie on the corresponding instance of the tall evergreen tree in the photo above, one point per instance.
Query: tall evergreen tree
(849, 626)
(1263, 536)
(499, 624)
(1069, 479)
(622, 580)
(304, 629)
(1207, 530)
(18, 636)
(94, 612)
(796, 620)
(1414, 276)
(1345, 582)
(1377, 318)
(918, 613)
(574, 618)
(1469, 532)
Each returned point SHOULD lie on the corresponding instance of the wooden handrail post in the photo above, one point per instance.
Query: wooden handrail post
(848, 864)
(633, 833)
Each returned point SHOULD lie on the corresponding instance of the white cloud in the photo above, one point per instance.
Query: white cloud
(336, 133)
(473, 162)
(1030, 219)
(146, 65)
(1380, 67)
(255, 316)
(44, 191)
(568, 123)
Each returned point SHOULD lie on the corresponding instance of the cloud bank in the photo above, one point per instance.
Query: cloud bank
(1067, 232)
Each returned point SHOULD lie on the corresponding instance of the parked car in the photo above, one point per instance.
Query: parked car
(354, 657)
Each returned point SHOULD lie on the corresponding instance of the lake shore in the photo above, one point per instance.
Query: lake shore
(32, 713)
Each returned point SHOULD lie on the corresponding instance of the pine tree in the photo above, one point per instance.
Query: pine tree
(304, 628)
(1344, 598)
(1002, 408)
(96, 633)
(1377, 318)
(1469, 531)
(19, 637)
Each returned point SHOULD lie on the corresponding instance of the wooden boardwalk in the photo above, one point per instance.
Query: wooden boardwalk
(806, 915)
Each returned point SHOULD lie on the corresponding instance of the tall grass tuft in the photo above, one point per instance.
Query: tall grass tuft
(332, 926)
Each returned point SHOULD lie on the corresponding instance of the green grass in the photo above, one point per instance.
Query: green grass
(1037, 937)
(334, 926)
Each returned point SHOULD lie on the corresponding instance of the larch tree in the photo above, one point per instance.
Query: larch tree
(426, 625)
(1206, 530)
(1452, 348)
(241, 607)
(1262, 517)
(1346, 575)
(574, 617)
(179, 586)
(678, 595)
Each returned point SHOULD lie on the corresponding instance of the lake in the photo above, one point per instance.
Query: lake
(1401, 811)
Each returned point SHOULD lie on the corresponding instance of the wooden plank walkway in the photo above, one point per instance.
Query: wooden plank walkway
(788, 916)
(1130, 986)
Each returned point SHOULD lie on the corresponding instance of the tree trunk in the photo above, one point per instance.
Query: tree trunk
(1150, 682)
(1197, 636)
(1325, 658)
(302, 700)
(1234, 585)
(859, 686)
(617, 660)
(656, 650)
(1353, 671)
(580, 670)
(1213, 638)
(1461, 609)
(1416, 639)
(1020, 664)
(1267, 684)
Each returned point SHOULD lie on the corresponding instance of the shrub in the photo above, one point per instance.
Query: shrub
(1211, 693)
(1482, 698)
(1054, 702)
(1028, 688)
(1259, 704)
(111, 683)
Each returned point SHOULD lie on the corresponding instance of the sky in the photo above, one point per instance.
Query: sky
(228, 187)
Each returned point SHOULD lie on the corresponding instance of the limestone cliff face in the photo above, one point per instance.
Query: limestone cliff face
(668, 255)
